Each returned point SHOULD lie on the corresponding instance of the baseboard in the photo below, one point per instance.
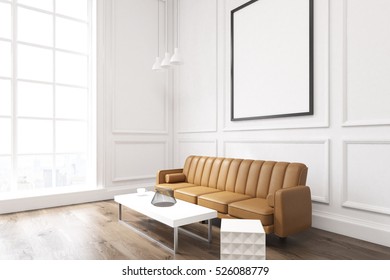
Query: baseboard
(368, 231)
(13, 205)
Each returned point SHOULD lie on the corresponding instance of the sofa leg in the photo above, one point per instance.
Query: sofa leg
(282, 239)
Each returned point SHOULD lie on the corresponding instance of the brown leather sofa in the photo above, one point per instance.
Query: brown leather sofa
(273, 192)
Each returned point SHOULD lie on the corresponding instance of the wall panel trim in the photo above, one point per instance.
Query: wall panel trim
(177, 88)
(113, 56)
(134, 178)
(348, 203)
(345, 121)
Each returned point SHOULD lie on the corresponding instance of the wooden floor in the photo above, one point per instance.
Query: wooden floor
(91, 232)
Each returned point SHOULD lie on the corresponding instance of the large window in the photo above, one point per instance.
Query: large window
(47, 111)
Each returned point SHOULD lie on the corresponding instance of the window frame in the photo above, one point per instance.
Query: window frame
(90, 88)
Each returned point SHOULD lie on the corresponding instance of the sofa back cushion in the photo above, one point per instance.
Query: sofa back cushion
(214, 173)
(256, 178)
(191, 172)
(187, 165)
(242, 177)
(199, 171)
(264, 180)
(223, 173)
(207, 171)
(232, 175)
(296, 175)
(253, 177)
(277, 177)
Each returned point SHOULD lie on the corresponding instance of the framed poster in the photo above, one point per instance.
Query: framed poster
(272, 59)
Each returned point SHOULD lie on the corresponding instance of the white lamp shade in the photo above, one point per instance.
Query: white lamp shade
(176, 57)
(166, 62)
(157, 64)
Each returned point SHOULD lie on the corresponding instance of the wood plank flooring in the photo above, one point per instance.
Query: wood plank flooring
(91, 232)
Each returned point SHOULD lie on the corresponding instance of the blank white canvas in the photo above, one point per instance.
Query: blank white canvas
(271, 58)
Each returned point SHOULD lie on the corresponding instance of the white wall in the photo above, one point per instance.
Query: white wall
(138, 100)
(346, 143)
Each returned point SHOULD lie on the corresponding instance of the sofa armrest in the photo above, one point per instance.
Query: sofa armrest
(292, 210)
(160, 178)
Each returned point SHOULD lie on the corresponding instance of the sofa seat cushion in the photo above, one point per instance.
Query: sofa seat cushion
(175, 186)
(219, 200)
(254, 208)
(191, 194)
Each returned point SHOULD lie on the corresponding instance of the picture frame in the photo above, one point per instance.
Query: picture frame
(272, 59)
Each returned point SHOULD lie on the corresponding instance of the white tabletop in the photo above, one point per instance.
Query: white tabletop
(182, 213)
(241, 225)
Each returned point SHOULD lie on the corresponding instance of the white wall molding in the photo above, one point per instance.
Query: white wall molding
(366, 207)
(362, 229)
(258, 128)
(112, 64)
(183, 132)
(102, 31)
(374, 100)
(320, 189)
(125, 132)
(366, 188)
(139, 160)
(206, 90)
(114, 88)
(351, 123)
(105, 67)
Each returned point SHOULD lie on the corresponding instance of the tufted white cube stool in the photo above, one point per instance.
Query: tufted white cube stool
(242, 239)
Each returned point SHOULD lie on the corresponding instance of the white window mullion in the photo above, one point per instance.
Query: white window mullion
(47, 47)
(48, 12)
(48, 83)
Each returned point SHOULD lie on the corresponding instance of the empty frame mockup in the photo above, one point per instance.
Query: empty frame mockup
(272, 59)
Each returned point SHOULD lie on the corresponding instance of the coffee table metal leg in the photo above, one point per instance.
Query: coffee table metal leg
(175, 233)
(175, 239)
(140, 232)
(210, 231)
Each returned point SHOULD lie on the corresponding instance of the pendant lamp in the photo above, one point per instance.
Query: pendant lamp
(157, 64)
(176, 57)
(166, 61)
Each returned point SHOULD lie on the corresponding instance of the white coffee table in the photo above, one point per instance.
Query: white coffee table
(180, 214)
